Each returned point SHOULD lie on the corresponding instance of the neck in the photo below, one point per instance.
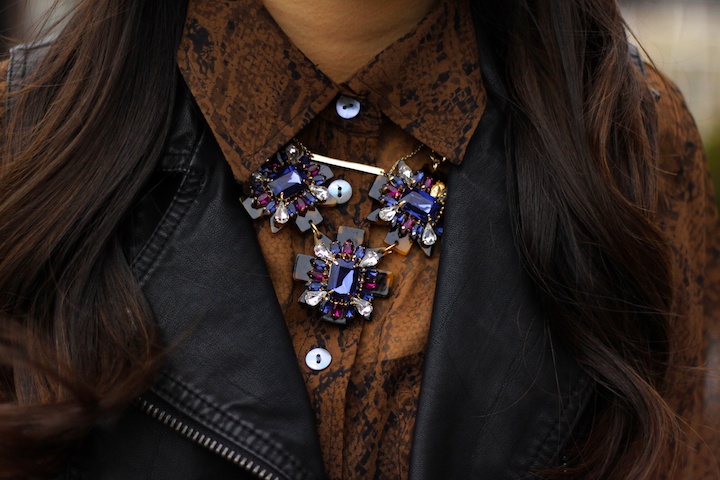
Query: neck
(341, 36)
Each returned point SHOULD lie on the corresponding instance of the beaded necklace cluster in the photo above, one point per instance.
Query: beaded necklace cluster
(341, 276)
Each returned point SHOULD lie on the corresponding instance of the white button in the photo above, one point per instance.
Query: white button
(318, 359)
(347, 107)
(340, 190)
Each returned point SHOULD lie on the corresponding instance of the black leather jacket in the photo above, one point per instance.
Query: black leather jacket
(499, 397)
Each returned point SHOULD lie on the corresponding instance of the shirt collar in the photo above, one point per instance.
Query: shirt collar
(257, 90)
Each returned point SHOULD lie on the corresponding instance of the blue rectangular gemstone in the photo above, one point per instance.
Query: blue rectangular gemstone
(420, 204)
(343, 279)
(289, 183)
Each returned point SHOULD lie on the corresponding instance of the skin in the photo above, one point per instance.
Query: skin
(342, 36)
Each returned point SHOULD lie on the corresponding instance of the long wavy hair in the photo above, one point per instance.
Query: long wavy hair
(84, 131)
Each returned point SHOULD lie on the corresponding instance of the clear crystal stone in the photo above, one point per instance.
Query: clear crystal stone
(363, 307)
(370, 259)
(293, 152)
(257, 177)
(429, 237)
(322, 251)
(281, 214)
(388, 213)
(321, 193)
(405, 173)
(314, 298)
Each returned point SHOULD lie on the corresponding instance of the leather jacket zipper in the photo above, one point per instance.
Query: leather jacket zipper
(203, 440)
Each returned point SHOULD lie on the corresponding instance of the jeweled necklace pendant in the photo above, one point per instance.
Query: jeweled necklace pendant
(413, 203)
(341, 277)
(289, 186)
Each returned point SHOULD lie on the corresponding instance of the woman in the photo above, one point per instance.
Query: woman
(152, 327)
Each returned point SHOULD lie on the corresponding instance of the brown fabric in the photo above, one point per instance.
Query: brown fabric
(688, 215)
(257, 92)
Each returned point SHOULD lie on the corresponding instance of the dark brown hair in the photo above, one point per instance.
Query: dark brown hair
(77, 340)
(582, 153)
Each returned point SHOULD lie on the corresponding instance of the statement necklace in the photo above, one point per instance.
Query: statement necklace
(341, 277)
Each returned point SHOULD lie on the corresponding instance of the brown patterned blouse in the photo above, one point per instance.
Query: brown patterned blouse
(258, 91)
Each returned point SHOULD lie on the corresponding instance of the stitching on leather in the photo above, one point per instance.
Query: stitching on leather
(235, 424)
(147, 258)
(234, 428)
(174, 170)
(544, 453)
(547, 454)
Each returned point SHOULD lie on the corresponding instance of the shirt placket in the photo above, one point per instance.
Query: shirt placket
(348, 128)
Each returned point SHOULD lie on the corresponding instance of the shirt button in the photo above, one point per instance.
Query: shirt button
(318, 359)
(347, 107)
(340, 190)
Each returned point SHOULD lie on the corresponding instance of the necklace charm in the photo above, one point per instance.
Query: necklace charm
(413, 203)
(289, 186)
(341, 277)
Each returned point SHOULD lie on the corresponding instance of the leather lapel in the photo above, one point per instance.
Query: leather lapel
(499, 395)
(231, 371)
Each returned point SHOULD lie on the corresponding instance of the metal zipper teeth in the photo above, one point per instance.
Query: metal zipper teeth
(205, 441)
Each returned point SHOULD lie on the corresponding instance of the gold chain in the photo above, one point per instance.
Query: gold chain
(367, 168)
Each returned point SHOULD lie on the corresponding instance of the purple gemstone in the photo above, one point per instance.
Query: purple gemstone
(348, 248)
(263, 199)
(337, 312)
(393, 191)
(408, 224)
(289, 183)
(300, 205)
(370, 286)
(421, 204)
(315, 275)
(429, 183)
(342, 279)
